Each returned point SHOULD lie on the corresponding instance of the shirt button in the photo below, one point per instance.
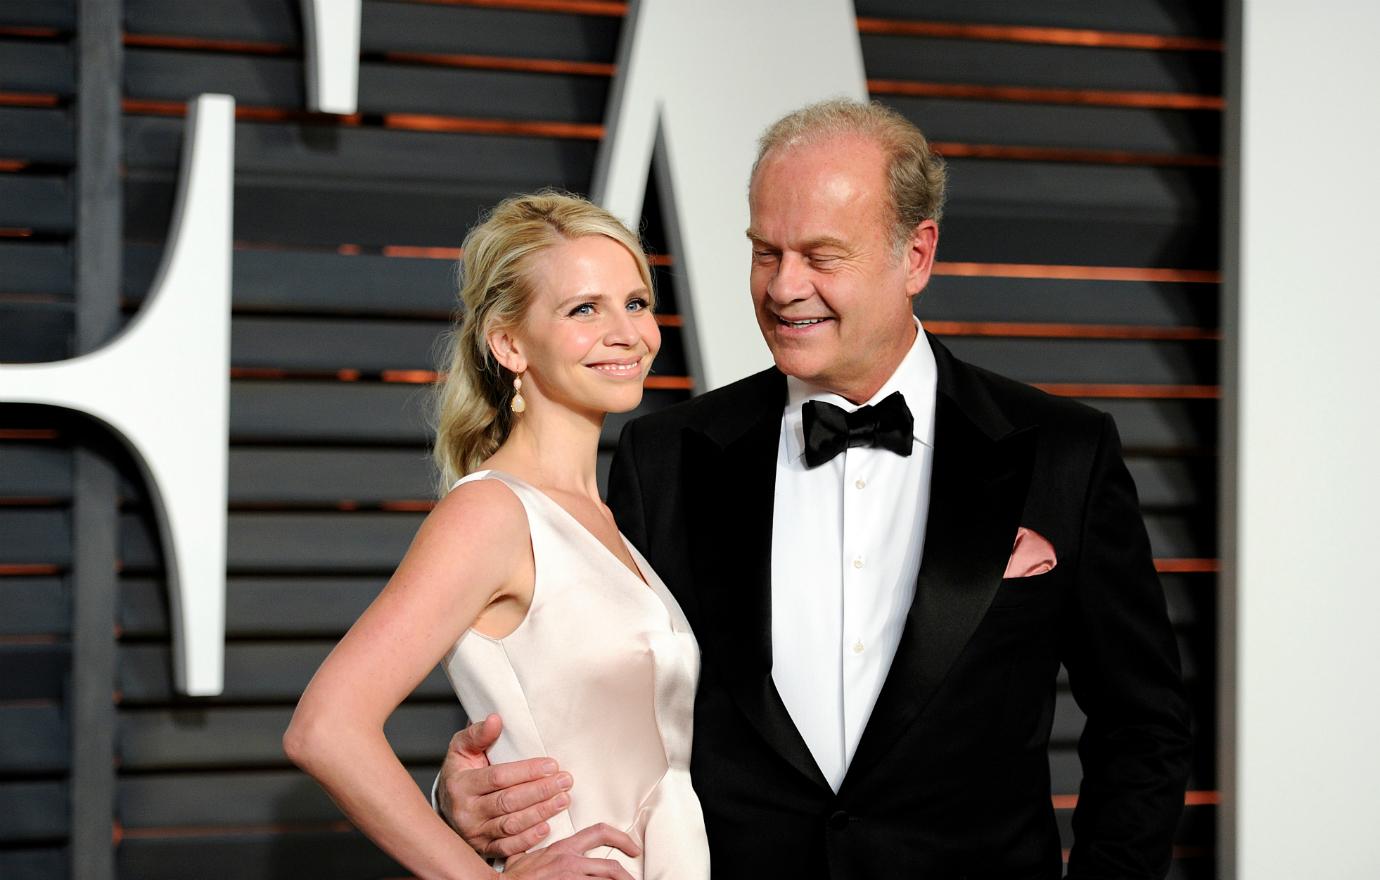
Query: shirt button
(861, 484)
(858, 562)
(839, 820)
(858, 647)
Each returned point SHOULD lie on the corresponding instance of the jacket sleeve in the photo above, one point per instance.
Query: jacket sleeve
(1123, 665)
(625, 491)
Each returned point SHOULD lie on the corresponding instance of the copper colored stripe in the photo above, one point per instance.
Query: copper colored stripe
(424, 122)
(425, 253)
(1070, 331)
(19, 99)
(952, 150)
(28, 569)
(10, 165)
(1077, 273)
(490, 62)
(1054, 36)
(410, 377)
(16, 30)
(9, 232)
(577, 7)
(243, 47)
(407, 506)
(1187, 566)
(1146, 392)
(661, 260)
(1191, 799)
(33, 639)
(158, 832)
(669, 321)
(669, 383)
(28, 434)
(30, 501)
(1025, 94)
(254, 114)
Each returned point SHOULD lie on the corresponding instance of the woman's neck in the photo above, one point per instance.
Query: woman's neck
(554, 448)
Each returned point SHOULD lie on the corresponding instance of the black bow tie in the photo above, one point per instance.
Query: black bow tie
(829, 430)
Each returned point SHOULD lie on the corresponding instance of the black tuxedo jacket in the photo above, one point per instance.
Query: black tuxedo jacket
(951, 777)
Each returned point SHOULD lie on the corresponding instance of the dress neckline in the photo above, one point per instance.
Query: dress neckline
(635, 572)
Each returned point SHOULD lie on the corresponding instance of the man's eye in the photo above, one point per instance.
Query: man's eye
(582, 309)
(762, 256)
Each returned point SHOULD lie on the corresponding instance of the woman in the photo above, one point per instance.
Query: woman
(520, 579)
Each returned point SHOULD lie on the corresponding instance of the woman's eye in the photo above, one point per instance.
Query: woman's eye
(583, 309)
(638, 304)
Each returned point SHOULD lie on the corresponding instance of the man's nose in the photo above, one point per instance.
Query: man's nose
(791, 282)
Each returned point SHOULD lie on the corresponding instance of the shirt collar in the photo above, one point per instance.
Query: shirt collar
(915, 377)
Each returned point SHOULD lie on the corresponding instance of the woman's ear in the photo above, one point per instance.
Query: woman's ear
(507, 350)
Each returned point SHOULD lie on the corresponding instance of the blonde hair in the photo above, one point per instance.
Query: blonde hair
(472, 414)
(916, 177)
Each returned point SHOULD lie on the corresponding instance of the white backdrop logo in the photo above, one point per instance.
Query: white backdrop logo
(696, 84)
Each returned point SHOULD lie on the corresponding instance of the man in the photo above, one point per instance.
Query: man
(886, 554)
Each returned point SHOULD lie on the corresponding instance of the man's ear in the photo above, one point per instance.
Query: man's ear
(507, 350)
(919, 255)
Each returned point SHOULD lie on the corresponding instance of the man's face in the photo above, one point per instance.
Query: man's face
(831, 291)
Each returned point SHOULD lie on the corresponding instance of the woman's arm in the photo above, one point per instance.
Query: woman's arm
(472, 549)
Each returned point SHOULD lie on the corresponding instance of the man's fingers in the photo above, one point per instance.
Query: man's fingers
(475, 740)
(508, 847)
(595, 836)
(516, 798)
(515, 773)
(603, 868)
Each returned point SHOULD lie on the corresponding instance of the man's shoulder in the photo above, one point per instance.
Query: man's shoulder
(741, 399)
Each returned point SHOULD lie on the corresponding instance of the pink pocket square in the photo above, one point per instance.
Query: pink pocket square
(1032, 554)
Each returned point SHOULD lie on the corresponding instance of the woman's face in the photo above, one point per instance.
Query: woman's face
(588, 338)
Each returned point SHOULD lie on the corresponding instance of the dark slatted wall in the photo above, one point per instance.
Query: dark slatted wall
(1079, 253)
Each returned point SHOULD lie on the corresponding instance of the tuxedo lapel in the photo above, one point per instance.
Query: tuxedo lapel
(982, 469)
(730, 472)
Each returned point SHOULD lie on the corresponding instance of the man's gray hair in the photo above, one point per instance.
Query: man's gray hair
(915, 174)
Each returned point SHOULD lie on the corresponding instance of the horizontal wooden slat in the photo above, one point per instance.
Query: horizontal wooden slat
(1162, 425)
(40, 202)
(35, 863)
(60, 14)
(255, 672)
(37, 134)
(334, 412)
(255, 854)
(32, 267)
(264, 607)
(35, 671)
(986, 62)
(260, 475)
(1170, 17)
(255, 80)
(1051, 125)
(1135, 361)
(173, 800)
(36, 66)
(1175, 482)
(949, 297)
(34, 739)
(33, 811)
(193, 738)
(34, 332)
(391, 26)
(34, 606)
(498, 162)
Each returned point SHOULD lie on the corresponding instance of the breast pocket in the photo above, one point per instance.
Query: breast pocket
(1025, 592)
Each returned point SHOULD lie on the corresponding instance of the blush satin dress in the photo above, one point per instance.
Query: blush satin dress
(599, 675)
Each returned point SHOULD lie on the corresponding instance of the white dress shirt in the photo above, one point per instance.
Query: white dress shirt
(847, 539)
